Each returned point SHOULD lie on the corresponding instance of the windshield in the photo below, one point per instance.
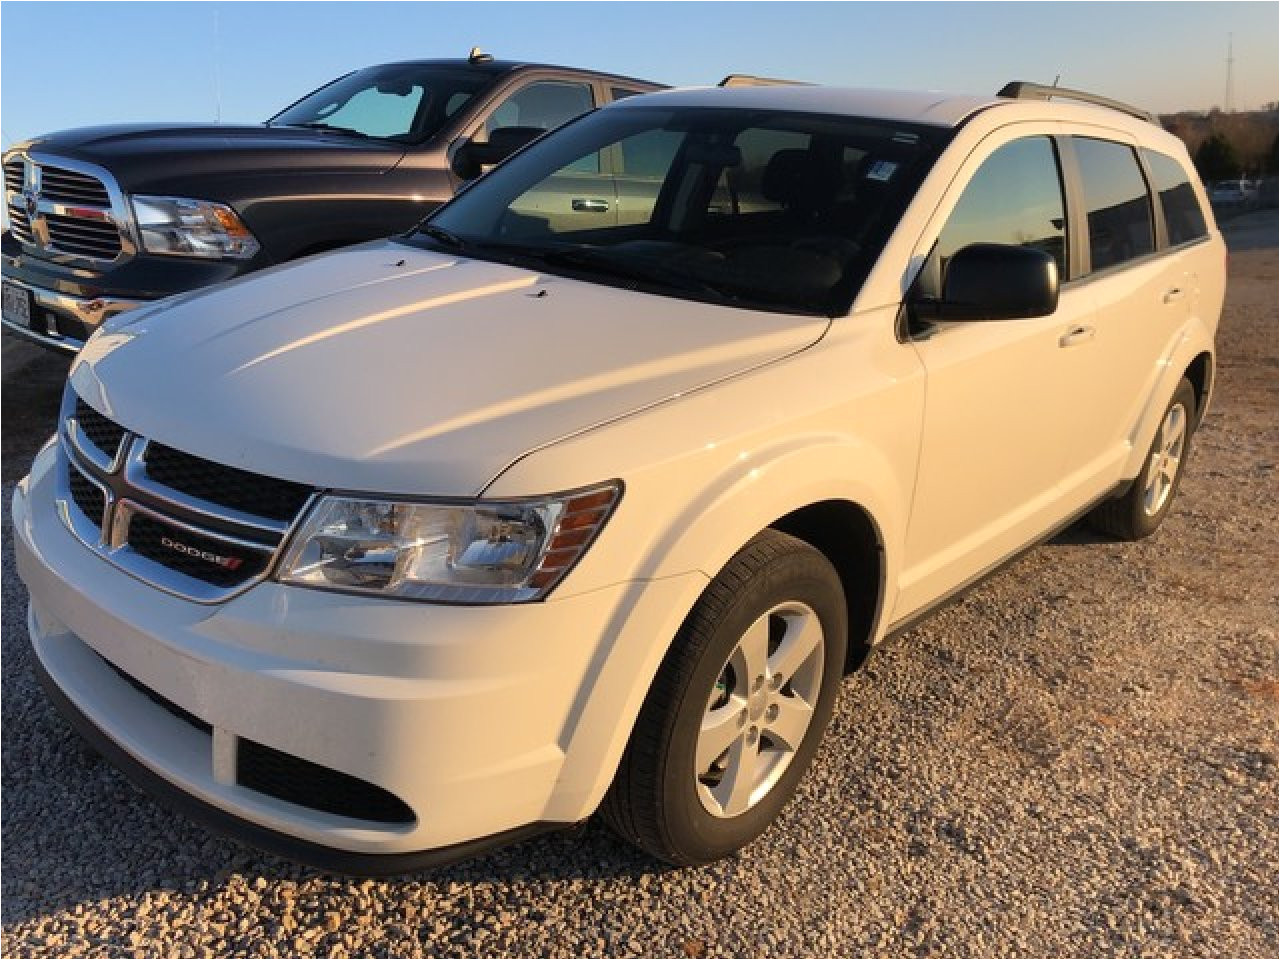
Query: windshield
(769, 210)
(406, 102)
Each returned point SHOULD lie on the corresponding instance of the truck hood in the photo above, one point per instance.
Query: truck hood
(386, 368)
(139, 155)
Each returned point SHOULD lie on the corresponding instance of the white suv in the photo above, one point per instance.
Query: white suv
(586, 494)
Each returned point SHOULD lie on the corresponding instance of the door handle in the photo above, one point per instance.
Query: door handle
(1076, 336)
(1173, 295)
(589, 205)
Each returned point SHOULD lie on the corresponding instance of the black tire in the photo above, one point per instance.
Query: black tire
(1127, 517)
(654, 801)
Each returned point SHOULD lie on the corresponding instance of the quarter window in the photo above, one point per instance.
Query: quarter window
(1183, 218)
(1116, 198)
(1014, 198)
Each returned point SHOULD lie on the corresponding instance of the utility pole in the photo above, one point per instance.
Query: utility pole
(1231, 63)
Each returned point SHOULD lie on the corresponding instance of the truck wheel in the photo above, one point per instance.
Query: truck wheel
(1141, 510)
(738, 707)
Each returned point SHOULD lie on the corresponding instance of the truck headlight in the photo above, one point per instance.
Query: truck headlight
(483, 552)
(181, 227)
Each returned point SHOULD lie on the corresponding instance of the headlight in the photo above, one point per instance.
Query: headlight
(475, 553)
(192, 228)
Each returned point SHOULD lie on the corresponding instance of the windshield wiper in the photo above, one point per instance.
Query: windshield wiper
(443, 236)
(330, 128)
(590, 259)
(651, 271)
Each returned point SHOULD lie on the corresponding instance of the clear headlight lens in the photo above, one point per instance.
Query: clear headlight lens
(478, 553)
(183, 227)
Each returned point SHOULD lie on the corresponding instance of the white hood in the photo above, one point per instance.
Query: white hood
(385, 368)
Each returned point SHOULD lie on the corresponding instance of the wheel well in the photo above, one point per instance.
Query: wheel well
(847, 536)
(1200, 373)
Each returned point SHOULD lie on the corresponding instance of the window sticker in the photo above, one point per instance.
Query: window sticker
(882, 170)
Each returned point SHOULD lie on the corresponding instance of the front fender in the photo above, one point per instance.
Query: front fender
(675, 568)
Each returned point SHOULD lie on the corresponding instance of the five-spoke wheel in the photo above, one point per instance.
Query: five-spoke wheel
(737, 708)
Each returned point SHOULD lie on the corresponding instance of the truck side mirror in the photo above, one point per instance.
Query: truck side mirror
(471, 157)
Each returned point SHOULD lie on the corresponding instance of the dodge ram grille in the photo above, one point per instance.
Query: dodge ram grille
(63, 211)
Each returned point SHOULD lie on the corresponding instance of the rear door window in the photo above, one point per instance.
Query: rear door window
(1183, 219)
(1117, 202)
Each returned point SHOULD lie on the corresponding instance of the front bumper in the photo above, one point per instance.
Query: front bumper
(70, 303)
(466, 714)
(63, 322)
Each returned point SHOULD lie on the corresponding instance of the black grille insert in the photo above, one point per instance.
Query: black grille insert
(184, 715)
(101, 432)
(14, 171)
(68, 186)
(216, 562)
(84, 237)
(86, 495)
(290, 778)
(226, 486)
(20, 225)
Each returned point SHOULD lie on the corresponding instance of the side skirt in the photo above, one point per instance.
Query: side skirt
(911, 621)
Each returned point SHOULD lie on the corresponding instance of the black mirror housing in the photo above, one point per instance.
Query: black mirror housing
(502, 143)
(994, 281)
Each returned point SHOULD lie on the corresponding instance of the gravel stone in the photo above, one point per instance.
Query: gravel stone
(1078, 759)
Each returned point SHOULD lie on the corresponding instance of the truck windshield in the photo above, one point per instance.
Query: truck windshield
(762, 209)
(405, 102)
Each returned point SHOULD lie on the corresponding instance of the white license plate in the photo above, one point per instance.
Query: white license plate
(17, 304)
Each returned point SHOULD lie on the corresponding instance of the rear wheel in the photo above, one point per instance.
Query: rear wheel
(737, 709)
(1143, 508)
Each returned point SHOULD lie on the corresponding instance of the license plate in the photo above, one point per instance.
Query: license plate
(17, 304)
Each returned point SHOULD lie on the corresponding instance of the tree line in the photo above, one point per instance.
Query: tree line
(1226, 146)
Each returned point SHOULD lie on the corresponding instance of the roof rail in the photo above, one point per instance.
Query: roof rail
(1022, 90)
(746, 80)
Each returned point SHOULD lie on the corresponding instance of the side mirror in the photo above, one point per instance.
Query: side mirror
(469, 158)
(994, 281)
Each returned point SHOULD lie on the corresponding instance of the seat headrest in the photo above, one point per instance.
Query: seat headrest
(800, 179)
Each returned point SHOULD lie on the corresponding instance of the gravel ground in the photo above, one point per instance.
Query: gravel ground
(1079, 759)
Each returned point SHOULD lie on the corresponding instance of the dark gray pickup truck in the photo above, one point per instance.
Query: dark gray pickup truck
(104, 219)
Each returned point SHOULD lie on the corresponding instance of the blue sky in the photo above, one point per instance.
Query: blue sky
(72, 64)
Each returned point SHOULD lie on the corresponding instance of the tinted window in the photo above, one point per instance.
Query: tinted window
(545, 105)
(1183, 218)
(649, 154)
(1014, 198)
(621, 93)
(1115, 196)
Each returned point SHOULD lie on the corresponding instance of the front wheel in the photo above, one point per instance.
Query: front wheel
(1143, 508)
(738, 707)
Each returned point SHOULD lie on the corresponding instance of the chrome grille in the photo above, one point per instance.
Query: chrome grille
(69, 186)
(14, 171)
(83, 237)
(20, 225)
(197, 530)
(66, 211)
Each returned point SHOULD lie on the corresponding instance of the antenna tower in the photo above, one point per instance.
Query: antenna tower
(1231, 63)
